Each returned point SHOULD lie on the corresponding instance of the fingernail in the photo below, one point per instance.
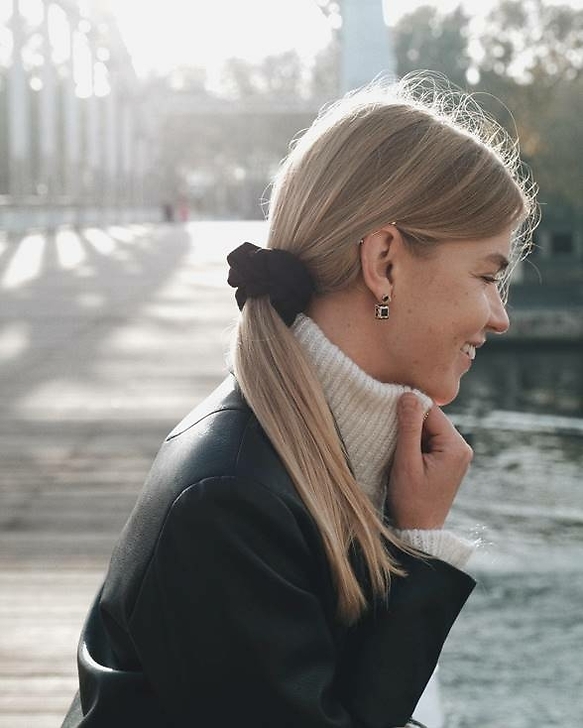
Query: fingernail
(408, 402)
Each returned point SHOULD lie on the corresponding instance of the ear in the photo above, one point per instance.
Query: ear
(379, 252)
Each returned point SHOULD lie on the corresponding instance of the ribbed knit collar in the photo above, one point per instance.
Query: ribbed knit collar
(365, 409)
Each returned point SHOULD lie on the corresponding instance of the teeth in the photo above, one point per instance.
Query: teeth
(470, 350)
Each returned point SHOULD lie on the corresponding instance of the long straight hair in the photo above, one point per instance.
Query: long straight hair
(414, 152)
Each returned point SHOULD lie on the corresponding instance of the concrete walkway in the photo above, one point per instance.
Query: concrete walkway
(107, 338)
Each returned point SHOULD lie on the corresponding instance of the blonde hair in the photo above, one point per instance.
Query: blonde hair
(417, 153)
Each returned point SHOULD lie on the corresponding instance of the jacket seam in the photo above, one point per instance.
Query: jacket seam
(171, 436)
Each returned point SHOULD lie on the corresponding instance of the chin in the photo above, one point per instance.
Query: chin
(443, 395)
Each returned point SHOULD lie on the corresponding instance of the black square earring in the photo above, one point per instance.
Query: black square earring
(381, 310)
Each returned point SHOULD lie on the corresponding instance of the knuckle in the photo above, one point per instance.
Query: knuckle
(468, 453)
(464, 453)
(464, 450)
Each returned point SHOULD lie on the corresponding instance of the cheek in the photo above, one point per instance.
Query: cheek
(436, 314)
(468, 312)
(436, 318)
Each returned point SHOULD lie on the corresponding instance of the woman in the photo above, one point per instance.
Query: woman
(286, 564)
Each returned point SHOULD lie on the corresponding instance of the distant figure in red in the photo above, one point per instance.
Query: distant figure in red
(183, 211)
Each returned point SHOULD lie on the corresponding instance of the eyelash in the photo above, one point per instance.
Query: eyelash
(491, 279)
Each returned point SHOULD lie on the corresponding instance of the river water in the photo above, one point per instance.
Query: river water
(514, 658)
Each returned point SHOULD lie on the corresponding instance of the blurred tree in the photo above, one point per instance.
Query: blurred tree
(325, 73)
(427, 39)
(332, 11)
(532, 59)
(240, 79)
(531, 41)
(187, 78)
(529, 55)
(325, 79)
(558, 156)
(284, 76)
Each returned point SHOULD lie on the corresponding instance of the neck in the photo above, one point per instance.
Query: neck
(365, 409)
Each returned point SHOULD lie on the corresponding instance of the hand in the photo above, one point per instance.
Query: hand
(430, 462)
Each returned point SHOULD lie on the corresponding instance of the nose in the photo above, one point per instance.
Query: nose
(498, 321)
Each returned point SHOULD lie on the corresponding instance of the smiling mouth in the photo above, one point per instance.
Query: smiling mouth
(469, 350)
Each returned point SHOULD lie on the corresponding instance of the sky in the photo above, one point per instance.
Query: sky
(161, 34)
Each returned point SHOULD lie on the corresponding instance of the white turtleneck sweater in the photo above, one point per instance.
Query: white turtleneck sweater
(365, 411)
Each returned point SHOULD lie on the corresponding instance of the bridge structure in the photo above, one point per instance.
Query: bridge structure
(79, 130)
(75, 143)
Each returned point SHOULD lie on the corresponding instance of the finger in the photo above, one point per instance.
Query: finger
(439, 434)
(437, 423)
(410, 416)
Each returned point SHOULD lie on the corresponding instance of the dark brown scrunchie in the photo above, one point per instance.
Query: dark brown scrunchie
(269, 272)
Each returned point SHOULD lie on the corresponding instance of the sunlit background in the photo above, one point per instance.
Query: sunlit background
(138, 139)
(205, 34)
(139, 104)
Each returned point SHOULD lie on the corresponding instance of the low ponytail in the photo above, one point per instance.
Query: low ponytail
(287, 399)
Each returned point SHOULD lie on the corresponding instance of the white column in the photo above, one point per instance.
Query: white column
(111, 132)
(48, 116)
(139, 169)
(71, 123)
(127, 149)
(18, 112)
(93, 146)
(365, 43)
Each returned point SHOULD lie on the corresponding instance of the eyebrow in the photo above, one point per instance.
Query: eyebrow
(498, 258)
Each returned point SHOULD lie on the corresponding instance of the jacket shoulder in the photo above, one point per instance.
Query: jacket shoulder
(221, 437)
(227, 397)
(221, 445)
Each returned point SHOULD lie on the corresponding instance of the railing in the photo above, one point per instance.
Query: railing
(32, 213)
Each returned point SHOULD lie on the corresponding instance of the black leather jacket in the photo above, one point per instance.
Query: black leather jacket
(219, 611)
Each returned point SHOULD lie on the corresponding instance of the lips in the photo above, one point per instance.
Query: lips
(469, 350)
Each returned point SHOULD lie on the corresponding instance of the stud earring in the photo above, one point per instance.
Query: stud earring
(381, 310)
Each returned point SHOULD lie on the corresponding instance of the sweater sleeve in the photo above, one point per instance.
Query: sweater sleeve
(232, 625)
(442, 544)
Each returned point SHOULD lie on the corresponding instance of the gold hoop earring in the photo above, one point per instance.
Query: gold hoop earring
(381, 310)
